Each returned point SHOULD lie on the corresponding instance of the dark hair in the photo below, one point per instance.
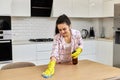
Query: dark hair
(62, 19)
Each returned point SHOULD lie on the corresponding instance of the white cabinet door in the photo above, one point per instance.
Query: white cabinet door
(116, 1)
(5, 7)
(95, 8)
(44, 47)
(43, 57)
(43, 52)
(21, 8)
(80, 8)
(108, 8)
(62, 7)
(104, 52)
(26, 52)
(88, 50)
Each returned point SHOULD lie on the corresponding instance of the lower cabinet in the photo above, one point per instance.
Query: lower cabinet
(43, 52)
(24, 52)
(104, 52)
(98, 50)
(36, 53)
(39, 53)
(88, 50)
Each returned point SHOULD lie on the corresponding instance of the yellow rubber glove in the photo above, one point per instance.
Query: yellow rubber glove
(76, 53)
(50, 70)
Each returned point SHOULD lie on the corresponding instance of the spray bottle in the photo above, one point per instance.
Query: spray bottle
(74, 61)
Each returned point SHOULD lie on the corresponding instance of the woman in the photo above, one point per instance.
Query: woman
(65, 42)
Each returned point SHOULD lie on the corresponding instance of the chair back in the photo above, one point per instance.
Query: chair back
(17, 65)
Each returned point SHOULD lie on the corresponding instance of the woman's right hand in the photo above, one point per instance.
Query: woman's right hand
(50, 70)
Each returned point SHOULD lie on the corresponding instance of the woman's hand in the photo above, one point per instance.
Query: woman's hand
(76, 53)
(49, 72)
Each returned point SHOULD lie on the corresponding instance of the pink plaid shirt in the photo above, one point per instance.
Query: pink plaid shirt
(58, 49)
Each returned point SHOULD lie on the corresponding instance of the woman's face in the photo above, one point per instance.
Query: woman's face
(64, 29)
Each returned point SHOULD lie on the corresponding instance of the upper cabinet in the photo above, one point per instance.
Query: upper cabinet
(20, 8)
(72, 8)
(5, 7)
(95, 8)
(116, 1)
(80, 8)
(108, 8)
(62, 7)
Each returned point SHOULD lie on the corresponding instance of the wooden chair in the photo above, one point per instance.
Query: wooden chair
(17, 65)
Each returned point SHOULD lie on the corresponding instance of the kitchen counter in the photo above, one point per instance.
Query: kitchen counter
(105, 39)
(84, 70)
(20, 42)
(99, 39)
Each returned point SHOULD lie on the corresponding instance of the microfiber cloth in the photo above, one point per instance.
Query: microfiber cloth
(45, 76)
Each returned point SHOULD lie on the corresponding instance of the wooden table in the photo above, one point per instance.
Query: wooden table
(85, 70)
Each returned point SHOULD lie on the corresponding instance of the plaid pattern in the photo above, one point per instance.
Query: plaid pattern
(58, 49)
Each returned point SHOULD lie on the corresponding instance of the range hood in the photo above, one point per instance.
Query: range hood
(41, 8)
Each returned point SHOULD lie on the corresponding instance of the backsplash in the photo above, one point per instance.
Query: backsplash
(24, 28)
(108, 25)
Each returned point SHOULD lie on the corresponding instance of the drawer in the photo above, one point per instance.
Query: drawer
(43, 55)
(43, 62)
(44, 47)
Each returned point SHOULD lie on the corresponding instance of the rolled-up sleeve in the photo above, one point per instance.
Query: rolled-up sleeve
(80, 40)
(55, 48)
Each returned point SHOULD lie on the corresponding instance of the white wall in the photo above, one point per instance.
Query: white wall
(108, 25)
(24, 28)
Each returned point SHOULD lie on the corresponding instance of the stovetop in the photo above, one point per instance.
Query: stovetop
(41, 40)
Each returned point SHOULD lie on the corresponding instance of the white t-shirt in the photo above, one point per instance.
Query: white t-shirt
(67, 55)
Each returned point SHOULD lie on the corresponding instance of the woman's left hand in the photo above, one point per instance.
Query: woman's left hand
(76, 53)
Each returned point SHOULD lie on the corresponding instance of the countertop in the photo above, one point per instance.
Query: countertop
(84, 70)
(19, 42)
(99, 39)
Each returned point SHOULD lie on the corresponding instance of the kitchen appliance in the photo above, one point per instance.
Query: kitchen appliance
(102, 32)
(92, 33)
(84, 33)
(116, 45)
(42, 40)
(41, 8)
(5, 23)
(5, 50)
(5, 39)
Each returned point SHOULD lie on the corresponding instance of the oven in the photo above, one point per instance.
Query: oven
(5, 39)
(5, 50)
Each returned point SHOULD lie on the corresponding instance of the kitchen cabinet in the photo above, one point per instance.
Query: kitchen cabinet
(5, 7)
(72, 8)
(96, 50)
(24, 52)
(80, 8)
(108, 8)
(21, 8)
(104, 52)
(43, 52)
(116, 1)
(95, 8)
(89, 51)
(62, 7)
(37, 53)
